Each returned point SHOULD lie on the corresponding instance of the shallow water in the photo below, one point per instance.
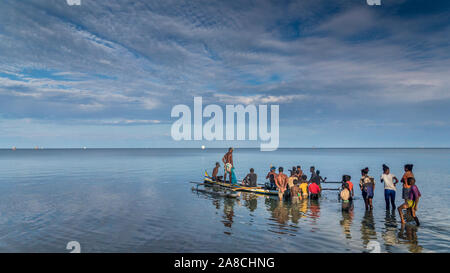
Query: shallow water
(140, 200)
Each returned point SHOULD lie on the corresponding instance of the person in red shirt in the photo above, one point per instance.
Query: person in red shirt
(314, 190)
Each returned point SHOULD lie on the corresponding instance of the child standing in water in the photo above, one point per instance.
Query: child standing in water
(367, 185)
(408, 173)
(412, 201)
(295, 192)
(345, 197)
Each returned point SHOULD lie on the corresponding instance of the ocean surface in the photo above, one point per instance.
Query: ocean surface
(140, 200)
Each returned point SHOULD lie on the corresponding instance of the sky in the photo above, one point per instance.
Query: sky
(107, 73)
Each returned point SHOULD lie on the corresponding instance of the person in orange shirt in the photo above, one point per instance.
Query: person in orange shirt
(346, 180)
(406, 188)
(281, 181)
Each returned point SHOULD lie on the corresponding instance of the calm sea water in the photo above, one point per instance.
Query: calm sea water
(140, 200)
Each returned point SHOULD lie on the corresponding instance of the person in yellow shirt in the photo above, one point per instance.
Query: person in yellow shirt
(304, 188)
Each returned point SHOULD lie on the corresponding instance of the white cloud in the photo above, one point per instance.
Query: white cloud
(260, 99)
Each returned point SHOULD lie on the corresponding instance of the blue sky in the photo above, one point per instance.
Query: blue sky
(107, 73)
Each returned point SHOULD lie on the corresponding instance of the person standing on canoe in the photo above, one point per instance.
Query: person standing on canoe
(228, 163)
(281, 182)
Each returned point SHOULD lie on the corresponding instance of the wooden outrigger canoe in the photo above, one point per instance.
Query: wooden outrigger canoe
(257, 190)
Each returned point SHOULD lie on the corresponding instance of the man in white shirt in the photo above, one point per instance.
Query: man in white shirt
(389, 186)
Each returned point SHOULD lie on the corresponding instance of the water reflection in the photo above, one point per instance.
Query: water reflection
(281, 213)
(390, 229)
(303, 208)
(346, 221)
(368, 232)
(228, 214)
(228, 207)
(250, 201)
(409, 234)
(314, 210)
(286, 218)
(296, 213)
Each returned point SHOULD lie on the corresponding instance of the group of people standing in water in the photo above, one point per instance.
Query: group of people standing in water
(410, 192)
(297, 186)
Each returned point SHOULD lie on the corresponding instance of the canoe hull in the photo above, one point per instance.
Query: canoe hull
(257, 190)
